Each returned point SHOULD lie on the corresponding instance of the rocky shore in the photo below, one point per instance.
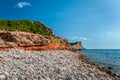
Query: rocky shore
(18, 64)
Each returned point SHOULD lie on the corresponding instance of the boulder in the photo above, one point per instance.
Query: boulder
(77, 45)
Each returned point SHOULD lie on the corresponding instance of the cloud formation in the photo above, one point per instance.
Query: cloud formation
(79, 38)
(22, 4)
(109, 32)
(73, 38)
(84, 38)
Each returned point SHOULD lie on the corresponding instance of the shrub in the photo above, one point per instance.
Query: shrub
(26, 26)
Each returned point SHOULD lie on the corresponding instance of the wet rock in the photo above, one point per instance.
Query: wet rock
(109, 67)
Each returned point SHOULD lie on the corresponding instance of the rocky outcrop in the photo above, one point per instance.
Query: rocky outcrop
(31, 41)
(77, 45)
(13, 39)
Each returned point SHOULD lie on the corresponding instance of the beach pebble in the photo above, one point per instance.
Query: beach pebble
(1, 56)
(18, 64)
(3, 59)
(2, 77)
(16, 56)
(5, 73)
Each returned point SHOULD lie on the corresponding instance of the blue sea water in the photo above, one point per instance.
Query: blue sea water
(104, 58)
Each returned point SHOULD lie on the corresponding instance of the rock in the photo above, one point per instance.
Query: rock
(31, 41)
(61, 65)
(1, 56)
(3, 59)
(81, 56)
(10, 44)
(28, 75)
(13, 39)
(109, 67)
(64, 69)
(5, 73)
(77, 45)
(48, 78)
(16, 56)
(68, 78)
(2, 77)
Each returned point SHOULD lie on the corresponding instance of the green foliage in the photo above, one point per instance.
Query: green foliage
(26, 26)
(56, 41)
(59, 41)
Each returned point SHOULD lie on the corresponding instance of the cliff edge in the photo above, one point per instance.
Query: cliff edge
(29, 35)
(31, 41)
(77, 45)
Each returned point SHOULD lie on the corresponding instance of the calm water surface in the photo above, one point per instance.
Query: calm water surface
(104, 58)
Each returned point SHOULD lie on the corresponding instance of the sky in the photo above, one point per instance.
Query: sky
(96, 23)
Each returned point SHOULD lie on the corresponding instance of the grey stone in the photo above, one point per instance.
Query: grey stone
(2, 76)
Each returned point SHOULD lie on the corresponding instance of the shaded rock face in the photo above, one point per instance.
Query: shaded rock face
(31, 41)
(77, 46)
(13, 39)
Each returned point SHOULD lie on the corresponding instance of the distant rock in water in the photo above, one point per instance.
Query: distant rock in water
(77, 45)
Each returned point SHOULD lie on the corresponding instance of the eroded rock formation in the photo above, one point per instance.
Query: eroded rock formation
(77, 45)
(31, 41)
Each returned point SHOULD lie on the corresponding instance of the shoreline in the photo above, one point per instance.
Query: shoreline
(103, 69)
(49, 65)
(107, 69)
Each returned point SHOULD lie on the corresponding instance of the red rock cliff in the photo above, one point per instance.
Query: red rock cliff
(30, 41)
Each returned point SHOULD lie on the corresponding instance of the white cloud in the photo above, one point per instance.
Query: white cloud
(73, 38)
(22, 4)
(84, 38)
(79, 38)
(109, 32)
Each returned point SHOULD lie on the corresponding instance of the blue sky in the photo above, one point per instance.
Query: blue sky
(94, 22)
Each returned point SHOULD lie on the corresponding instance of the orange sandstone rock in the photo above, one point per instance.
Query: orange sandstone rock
(31, 41)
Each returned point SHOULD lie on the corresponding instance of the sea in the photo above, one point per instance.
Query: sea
(104, 58)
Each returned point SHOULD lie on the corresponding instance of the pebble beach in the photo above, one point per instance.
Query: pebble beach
(16, 64)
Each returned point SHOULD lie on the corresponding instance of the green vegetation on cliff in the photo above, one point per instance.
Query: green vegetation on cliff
(26, 26)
